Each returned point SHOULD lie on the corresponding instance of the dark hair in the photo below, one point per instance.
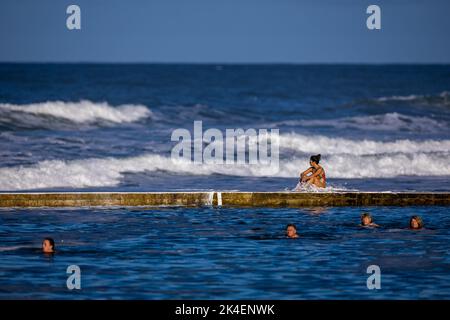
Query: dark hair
(315, 158)
(366, 214)
(418, 219)
(291, 225)
(52, 242)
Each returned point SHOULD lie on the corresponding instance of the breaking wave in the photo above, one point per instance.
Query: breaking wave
(440, 99)
(57, 114)
(327, 145)
(96, 172)
(384, 122)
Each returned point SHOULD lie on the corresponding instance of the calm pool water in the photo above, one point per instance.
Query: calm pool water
(224, 253)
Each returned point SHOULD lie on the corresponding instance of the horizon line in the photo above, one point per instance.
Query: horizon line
(220, 63)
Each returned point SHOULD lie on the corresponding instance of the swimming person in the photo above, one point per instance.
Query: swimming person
(48, 245)
(367, 220)
(315, 175)
(416, 223)
(291, 231)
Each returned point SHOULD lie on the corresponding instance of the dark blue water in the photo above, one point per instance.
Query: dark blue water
(225, 253)
(108, 127)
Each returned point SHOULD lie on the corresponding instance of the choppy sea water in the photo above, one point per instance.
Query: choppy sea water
(108, 127)
(224, 253)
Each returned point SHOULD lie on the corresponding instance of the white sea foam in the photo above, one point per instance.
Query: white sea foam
(400, 98)
(110, 171)
(304, 187)
(310, 144)
(383, 122)
(439, 99)
(327, 145)
(83, 112)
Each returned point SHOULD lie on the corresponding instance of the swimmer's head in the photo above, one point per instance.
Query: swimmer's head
(291, 231)
(315, 159)
(416, 222)
(48, 245)
(366, 219)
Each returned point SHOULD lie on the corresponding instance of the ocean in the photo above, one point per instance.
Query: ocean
(103, 127)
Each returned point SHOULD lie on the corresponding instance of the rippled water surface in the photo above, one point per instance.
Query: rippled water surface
(109, 127)
(224, 253)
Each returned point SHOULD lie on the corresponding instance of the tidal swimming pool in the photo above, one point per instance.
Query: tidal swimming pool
(224, 253)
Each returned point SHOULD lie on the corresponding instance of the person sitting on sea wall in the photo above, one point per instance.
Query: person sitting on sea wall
(367, 220)
(314, 175)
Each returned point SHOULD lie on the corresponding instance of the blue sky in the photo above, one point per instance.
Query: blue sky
(225, 31)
